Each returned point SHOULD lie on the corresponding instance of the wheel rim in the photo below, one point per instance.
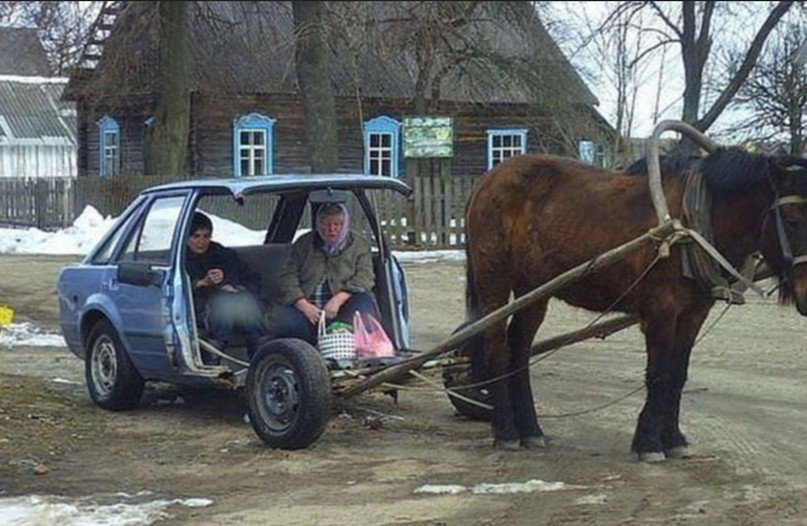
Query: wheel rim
(104, 365)
(279, 396)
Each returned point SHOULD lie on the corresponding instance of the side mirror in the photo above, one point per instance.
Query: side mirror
(138, 274)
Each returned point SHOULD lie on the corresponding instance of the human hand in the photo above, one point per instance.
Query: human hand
(228, 288)
(215, 276)
(309, 310)
(334, 304)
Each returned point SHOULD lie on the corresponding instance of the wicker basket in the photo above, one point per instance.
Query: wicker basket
(336, 346)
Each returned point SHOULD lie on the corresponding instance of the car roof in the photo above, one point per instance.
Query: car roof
(283, 182)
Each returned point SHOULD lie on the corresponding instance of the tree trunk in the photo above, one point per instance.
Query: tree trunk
(169, 137)
(313, 75)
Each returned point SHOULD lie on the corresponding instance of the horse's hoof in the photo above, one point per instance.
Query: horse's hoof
(506, 445)
(677, 452)
(650, 457)
(533, 442)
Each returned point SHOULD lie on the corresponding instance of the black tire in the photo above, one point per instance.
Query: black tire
(112, 380)
(456, 377)
(289, 394)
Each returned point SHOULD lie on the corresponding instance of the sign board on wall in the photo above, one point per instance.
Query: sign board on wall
(428, 137)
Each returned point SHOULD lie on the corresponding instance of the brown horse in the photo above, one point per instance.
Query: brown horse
(533, 217)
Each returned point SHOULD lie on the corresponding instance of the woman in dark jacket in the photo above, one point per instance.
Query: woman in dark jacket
(225, 291)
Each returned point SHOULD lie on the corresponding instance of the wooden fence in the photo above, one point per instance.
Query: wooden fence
(45, 203)
(431, 218)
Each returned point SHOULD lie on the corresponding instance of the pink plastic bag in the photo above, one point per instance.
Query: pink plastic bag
(371, 340)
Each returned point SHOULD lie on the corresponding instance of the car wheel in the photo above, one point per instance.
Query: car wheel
(289, 394)
(457, 377)
(112, 380)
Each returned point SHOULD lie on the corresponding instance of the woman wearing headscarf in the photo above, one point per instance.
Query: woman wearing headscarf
(329, 270)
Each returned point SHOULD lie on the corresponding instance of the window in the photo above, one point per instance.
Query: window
(591, 153)
(586, 151)
(151, 240)
(252, 145)
(104, 254)
(109, 147)
(382, 146)
(505, 143)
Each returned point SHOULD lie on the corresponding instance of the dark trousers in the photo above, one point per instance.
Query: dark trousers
(291, 323)
(235, 314)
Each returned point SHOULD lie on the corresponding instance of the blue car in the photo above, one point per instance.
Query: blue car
(127, 308)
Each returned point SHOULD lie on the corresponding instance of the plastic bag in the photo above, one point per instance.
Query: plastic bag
(370, 340)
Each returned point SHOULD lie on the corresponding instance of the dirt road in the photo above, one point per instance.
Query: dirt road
(743, 411)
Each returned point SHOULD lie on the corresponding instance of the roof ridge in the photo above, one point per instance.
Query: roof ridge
(33, 79)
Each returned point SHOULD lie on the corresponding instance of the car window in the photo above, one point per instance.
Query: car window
(104, 254)
(151, 241)
(239, 223)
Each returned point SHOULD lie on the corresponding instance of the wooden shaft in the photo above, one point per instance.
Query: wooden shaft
(547, 289)
(597, 330)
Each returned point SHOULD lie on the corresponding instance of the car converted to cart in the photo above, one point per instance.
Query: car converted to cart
(127, 308)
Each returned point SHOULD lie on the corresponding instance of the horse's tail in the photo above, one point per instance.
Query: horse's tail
(473, 348)
(472, 312)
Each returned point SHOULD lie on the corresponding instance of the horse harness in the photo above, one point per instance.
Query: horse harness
(701, 265)
(781, 233)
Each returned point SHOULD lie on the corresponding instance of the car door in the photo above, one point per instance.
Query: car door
(145, 309)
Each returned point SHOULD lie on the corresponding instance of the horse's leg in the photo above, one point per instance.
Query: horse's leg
(520, 334)
(660, 340)
(673, 441)
(505, 434)
(493, 291)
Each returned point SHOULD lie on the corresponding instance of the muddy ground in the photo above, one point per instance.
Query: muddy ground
(744, 412)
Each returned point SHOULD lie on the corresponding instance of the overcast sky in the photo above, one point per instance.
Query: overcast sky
(661, 80)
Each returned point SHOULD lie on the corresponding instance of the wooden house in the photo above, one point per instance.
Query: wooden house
(37, 129)
(501, 88)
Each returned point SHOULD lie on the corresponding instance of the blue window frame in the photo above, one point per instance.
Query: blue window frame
(253, 145)
(382, 146)
(108, 147)
(586, 151)
(504, 143)
(591, 153)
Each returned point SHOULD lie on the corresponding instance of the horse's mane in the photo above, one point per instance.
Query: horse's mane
(724, 170)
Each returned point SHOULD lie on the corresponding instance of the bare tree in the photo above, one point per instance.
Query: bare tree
(775, 94)
(689, 25)
(702, 33)
(607, 50)
(313, 75)
(169, 137)
(64, 27)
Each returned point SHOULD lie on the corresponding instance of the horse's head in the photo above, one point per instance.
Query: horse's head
(784, 231)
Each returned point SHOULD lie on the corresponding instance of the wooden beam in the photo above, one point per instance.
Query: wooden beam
(393, 372)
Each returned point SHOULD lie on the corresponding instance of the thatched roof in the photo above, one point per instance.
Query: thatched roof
(501, 52)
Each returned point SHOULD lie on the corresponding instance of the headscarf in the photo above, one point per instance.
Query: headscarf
(333, 247)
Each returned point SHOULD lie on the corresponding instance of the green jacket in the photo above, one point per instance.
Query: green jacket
(350, 270)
